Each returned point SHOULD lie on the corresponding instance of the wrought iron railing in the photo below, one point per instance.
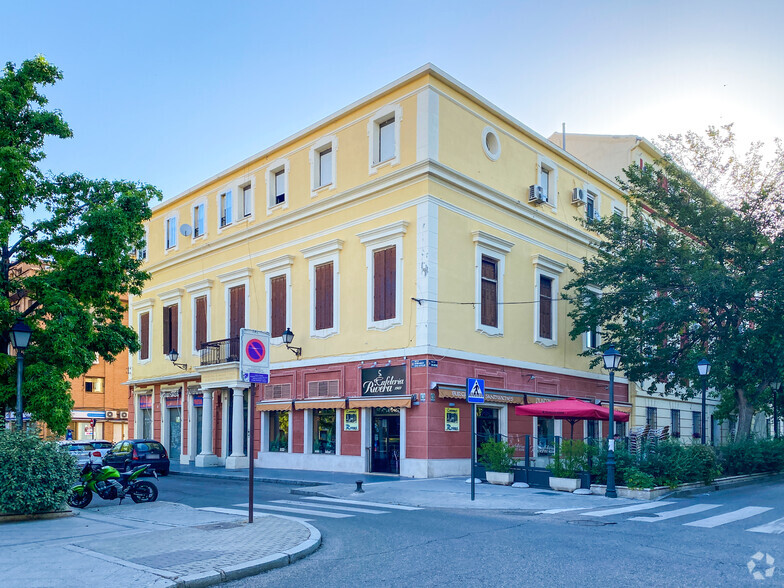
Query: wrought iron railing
(220, 351)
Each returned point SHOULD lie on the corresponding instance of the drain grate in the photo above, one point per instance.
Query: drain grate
(590, 523)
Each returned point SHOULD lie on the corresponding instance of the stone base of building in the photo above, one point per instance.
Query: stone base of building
(311, 461)
(237, 462)
(185, 460)
(434, 468)
(207, 460)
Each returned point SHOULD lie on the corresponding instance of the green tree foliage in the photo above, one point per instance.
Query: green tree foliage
(687, 277)
(67, 248)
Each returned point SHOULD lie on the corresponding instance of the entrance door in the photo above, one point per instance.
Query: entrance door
(385, 455)
(199, 411)
(147, 423)
(175, 433)
(486, 425)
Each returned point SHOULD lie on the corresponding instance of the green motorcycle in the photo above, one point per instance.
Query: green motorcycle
(108, 483)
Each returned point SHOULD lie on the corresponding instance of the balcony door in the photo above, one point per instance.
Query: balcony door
(236, 320)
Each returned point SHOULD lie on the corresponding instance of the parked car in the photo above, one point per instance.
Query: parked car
(86, 451)
(128, 454)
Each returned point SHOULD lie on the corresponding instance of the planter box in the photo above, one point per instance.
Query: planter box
(564, 484)
(500, 478)
(659, 491)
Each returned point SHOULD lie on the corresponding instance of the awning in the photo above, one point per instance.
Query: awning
(453, 391)
(380, 402)
(627, 408)
(325, 403)
(274, 406)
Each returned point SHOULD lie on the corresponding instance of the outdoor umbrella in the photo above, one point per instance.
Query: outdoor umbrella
(570, 409)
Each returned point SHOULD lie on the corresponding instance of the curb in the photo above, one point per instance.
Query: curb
(253, 567)
(724, 484)
(15, 518)
(245, 479)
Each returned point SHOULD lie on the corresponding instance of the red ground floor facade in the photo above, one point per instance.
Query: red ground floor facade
(403, 415)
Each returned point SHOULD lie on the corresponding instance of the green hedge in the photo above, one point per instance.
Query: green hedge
(752, 456)
(35, 475)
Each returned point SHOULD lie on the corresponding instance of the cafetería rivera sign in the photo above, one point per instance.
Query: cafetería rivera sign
(384, 381)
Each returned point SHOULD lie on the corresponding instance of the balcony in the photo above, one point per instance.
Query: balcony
(220, 351)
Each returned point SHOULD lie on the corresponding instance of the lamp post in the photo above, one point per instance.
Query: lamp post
(612, 358)
(20, 339)
(173, 356)
(288, 337)
(776, 388)
(703, 366)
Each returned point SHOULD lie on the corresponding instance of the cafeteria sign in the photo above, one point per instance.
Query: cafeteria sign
(384, 381)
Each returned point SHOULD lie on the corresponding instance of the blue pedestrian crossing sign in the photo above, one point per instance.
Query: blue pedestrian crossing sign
(475, 390)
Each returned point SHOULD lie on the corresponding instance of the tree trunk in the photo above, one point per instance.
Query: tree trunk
(745, 414)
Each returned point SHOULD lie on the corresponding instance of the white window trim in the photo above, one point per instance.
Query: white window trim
(139, 309)
(239, 200)
(275, 167)
(200, 202)
(586, 346)
(220, 193)
(373, 240)
(315, 167)
(317, 255)
(280, 266)
(549, 165)
(544, 266)
(591, 190)
(196, 290)
(167, 299)
(240, 277)
(176, 218)
(496, 248)
(376, 119)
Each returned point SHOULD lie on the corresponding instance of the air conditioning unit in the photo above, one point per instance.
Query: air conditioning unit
(536, 194)
(110, 414)
(124, 414)
(578, 196)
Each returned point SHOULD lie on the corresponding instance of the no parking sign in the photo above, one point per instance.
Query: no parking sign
(254, 355)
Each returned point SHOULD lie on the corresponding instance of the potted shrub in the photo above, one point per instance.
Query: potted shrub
(567, 463)
(496, 457)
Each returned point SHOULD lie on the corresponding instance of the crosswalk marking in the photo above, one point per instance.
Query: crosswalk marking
(318, 513)
(623, 509)
(729, 517)
(332, 506)
(678, 512)
(236, 511)
(363, 503)
(775, 527)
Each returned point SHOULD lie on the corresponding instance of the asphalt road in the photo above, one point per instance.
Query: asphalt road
(445, 546)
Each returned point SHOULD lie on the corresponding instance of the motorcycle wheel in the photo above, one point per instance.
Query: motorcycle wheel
(144, 491)
(77, 500)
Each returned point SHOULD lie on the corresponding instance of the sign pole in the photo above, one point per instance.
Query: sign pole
(250, 449)
(473, 447)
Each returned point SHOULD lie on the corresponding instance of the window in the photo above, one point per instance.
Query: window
(277, 279)
(489, 300)
(592, 338)
(590, 203)
(386, 140)
(93, 385)
(675, 427)
(591, 429)
(324, 287)
(650, 416)
(198, 220)
(545, 436)
(384, 283)
(278, 313)
(325, 167)
(236, 311)
(544, 179)
(545, 307)
(324, 430)
(384, 258)
(620, 429)
(278, 430)
(322, 163)
(324, 296)
(200, 322)
(548, 178)
(225, 209)
(171, 232)
(491, 145)
(144, 336)
(141, 252)
(384, 135)
(696, 424)
(247, 201)
(546, 272)
(170, 328)
(278, 184)
(280, 187)
(487, 428)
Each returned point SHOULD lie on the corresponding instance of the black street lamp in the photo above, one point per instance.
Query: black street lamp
(612, 359)
(776, 388)
(703, 366)
(173, 356)
(20, 339)
(288, 337)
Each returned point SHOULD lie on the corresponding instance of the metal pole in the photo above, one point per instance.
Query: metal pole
(473, 447)
(250, 449)
(19, 372)
(704, 392)
(775, 414)
(610, 492)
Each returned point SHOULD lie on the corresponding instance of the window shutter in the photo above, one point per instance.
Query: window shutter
(489, 301)
(167, 330)
(236, 311)
(323, 388)
(173, 321)
(389, 282)
(545, 308)
(324, 285)
(144, 335)
(277, 391)
(277, 306)
(201, 321)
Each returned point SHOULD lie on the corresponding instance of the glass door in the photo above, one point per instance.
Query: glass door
(386, 440)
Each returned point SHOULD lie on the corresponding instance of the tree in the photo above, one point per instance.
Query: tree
(67, 248)
(686, 277)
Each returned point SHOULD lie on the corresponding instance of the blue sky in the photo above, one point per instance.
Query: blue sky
(173, 92)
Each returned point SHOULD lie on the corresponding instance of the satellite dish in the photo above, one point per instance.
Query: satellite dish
(186, 230)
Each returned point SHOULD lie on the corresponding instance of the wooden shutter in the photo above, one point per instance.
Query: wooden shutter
(489, 302)
(545, 308)
(323, 388)
(277, 306)
(144, 335)
(173, 322)
(384, 283)
(167, 342)
(324, 294)
(201, 321)
(236, 311)
(277, 391)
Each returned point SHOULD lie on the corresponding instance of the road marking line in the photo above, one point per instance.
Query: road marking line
(623, 509)
(557, 510)
(318, 513)
(678, 512)
(361, 503)
(332, 506)
(245, 513)
(775, 527)
(729, 517)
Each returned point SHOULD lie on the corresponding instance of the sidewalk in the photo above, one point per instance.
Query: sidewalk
(159, 544)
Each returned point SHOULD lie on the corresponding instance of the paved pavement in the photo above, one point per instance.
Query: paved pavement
(159, 544)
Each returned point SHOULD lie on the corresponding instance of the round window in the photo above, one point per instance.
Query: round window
(491, 143)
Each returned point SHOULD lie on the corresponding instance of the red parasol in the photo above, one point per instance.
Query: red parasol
(570, 409)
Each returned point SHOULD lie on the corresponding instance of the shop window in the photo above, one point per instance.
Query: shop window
(324, 430)
(278, 430)
(591, 430)
(93, 385)
(545, 436)
(487, 428)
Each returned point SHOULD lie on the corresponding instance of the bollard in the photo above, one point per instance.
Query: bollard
(359, 487)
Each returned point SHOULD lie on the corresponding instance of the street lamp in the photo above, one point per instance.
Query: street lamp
(20, 339)
(703, 366)
(612, 359)
(776, 388)
(173, 356)
(288, 337)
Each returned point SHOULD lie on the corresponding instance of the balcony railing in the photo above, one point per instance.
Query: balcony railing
(221, 351)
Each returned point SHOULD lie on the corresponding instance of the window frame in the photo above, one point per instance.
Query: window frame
(374, 240)
(172, 219)
(316, 256)
(675, 430)
(197, 290)
(544, 163)
(376, 121)
(549, 268)
(487, 245)
(593, 193)
(280, 266)
(201, 203)
(650, 411)
(240, 277)
(229, 200)
(597, 332)
(280, 165)
(248, 204)
(316, 151)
